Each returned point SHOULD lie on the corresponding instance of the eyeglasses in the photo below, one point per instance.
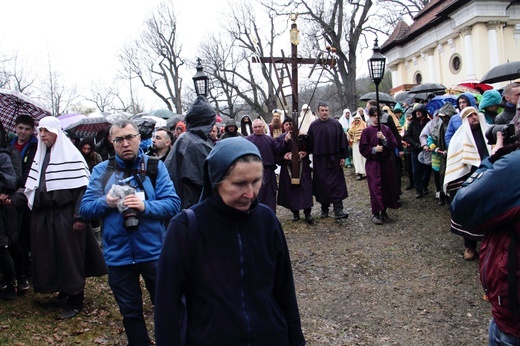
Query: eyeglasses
(128, 138)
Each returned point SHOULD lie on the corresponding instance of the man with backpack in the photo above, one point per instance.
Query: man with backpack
(135, 197)
(494, 192)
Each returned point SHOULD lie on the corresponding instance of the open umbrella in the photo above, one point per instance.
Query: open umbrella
(438, 101)
(171, 122)
(428, 88)
(87, 127)
(69, 119)
(13, 103)
(383, 97)
(112, 118)
(476, 85)
(503, 72)
(419, 96)
(162, 113)
(400, 97)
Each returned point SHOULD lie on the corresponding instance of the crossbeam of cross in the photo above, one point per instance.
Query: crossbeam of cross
(294, 61)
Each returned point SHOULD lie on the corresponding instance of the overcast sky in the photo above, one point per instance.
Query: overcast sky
(82, 38)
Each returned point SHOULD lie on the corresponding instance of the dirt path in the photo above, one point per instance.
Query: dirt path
(402, 283)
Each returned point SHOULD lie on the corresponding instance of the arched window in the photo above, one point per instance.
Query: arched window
(417, 77)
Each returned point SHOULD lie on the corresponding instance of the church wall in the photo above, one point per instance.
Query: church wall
(434, 54)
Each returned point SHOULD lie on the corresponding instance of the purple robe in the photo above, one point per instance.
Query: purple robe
(266, 146)
(290, 196)
(329, 146)
(380, 169)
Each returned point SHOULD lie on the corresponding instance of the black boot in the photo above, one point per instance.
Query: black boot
(9, 292)
(296, 215)
(324, 211)
(73, 306)
(309, 219)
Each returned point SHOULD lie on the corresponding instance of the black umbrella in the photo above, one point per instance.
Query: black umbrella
(383, 97)
(420, 96)
(428, 88)
(401, 96)
(501, 73)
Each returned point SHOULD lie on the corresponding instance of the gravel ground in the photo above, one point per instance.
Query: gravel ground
(401, 283)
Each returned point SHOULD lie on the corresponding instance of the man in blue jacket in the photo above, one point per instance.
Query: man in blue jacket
(131, 251)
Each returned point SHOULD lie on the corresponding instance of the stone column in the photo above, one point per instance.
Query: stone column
(468, 53)
(492, 43)
(432, 76)
(395, 79)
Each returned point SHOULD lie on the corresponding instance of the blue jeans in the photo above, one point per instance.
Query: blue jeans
(124, 282)
(499, 338)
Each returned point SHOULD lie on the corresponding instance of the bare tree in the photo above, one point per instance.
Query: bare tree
(55, 95)
(102, 96)
(396, 10)
(237, 82)
(155, 59)
(220, 61)
(16, 75)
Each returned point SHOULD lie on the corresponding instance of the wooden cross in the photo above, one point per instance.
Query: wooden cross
(294, 61)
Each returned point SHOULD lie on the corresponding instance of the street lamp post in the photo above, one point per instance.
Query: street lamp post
(376, 68)
(200, 81)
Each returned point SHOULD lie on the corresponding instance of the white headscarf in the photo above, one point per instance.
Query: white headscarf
(344, 121)
(67, 168)
(305, 119)
(463, 152)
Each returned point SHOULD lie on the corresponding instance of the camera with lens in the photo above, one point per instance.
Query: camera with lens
(508, 132)
(130, 220)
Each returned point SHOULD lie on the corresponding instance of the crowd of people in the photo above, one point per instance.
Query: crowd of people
(193, 211)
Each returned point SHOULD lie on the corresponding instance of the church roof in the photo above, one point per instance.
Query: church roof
(434, 13)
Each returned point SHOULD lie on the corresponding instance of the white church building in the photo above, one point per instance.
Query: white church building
(453, 41)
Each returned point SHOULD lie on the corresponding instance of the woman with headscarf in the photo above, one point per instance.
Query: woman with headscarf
(246, 126)
(230, 261)
(86, 147)
(64, 249)
(354, 134)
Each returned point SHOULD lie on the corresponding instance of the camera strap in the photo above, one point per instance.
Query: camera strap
(149, 169)
(140, 176)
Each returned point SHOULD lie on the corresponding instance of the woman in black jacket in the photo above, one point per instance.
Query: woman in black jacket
(229, 260)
